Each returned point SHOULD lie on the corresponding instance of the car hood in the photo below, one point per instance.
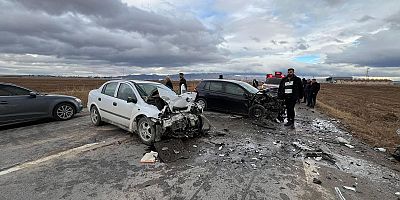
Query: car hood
(178, 101)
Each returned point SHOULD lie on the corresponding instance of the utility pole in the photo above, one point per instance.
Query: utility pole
(367, 76)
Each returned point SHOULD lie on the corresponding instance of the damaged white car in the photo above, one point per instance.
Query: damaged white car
(148, 108)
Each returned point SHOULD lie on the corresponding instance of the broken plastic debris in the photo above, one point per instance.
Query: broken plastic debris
(318, 158)
(149, 157)
(397, 193)
(195, 146)
(164, 148)
(253, 165)
(342, 140)
(380, 149)
(349, 188)
(350, 146)
(221, 155)
(220, 148)
(317, 181)
(176, 151)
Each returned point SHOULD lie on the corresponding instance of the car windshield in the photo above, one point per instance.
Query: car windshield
(274, 81)
(248, 87)
(148, 88)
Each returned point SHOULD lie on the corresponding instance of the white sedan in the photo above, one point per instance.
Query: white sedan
(148, 108)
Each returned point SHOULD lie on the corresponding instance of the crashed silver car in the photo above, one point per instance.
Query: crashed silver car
(148, 108)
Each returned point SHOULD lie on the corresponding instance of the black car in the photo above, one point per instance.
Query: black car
(19, 104)
(238, 97)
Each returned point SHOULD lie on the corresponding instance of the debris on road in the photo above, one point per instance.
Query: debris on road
(171, 150)
(342, 140)
(302, 147)
(350, 188)
(350, 146)
(264, 124)
(149, 157)
(396, 153)
(397, 194)
(317, 181)
(380, 149)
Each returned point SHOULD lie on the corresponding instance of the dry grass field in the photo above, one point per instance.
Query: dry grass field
(371, 112)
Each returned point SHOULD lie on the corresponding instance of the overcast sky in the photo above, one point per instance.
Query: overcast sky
(113, 37)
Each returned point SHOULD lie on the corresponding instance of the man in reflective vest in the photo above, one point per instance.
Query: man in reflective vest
(291, 90)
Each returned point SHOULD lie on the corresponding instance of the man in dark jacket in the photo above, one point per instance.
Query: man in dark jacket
(182, 81)
(315, 86)
(291, 90)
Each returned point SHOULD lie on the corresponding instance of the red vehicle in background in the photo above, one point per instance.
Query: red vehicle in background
(272, 82)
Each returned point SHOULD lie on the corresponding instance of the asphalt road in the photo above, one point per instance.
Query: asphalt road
(237, 160)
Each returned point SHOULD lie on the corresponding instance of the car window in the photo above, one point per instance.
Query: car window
(233, 89)
(9, 90)
(125, 91)
(207, 85)
(216, 86)
(109, 89)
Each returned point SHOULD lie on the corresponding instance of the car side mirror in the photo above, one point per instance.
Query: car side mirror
(32, 94)
(131, 100)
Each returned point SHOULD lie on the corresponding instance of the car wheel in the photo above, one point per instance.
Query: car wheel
(202, 102)
(95, 116)
(146, 131)
(256, 111)
(64, 111)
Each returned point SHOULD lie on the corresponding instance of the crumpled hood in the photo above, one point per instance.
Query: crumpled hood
(174, 100)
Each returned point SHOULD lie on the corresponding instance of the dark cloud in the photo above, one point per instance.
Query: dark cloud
(274, 42)
(303, 46)
(105, 30)
(365, 18)
(283, 42)
(378, 50)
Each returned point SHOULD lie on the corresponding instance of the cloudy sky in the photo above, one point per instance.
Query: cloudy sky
(113, 37)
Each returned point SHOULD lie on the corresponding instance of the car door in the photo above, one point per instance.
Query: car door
(235, 100)
(125, 110)
(17, 104)
(105, 100)
(215, 95)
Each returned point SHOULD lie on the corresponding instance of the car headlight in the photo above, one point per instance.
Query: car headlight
(78, 100)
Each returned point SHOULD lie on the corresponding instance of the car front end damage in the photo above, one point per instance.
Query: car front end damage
(266, 105)
(179, 116)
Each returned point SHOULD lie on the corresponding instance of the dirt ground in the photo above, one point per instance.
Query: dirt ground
(372, 113)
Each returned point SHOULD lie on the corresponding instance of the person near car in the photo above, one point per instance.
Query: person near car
(255, 83)
(307, 91)
(168, 83)
(304, 81)
(182, 84)
(291, 90)
(314, 89)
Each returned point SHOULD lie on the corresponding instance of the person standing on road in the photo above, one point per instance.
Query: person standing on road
(182, 84)
(307, 91)
(291, 90)
(168, 83)
(304, 82)
(315, 86)
(255, 83)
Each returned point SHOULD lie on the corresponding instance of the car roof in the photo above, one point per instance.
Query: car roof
(134, 81)
(224, 80)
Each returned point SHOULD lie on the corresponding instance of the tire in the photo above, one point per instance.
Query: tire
(146, 131)
(64, 111)
(202, 102)
(95, 116)
(257, 111)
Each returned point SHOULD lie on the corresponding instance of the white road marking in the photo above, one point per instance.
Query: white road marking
(76, 150)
